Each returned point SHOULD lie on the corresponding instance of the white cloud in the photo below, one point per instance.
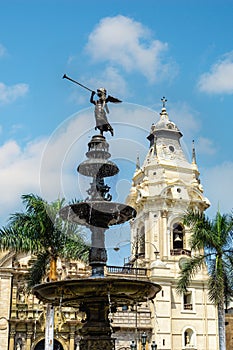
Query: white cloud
(19, 173)
(110, 77)
(217, 183)
(9, 94)
(220, 78)
(115, 82)
(8, 153)
(128, 44)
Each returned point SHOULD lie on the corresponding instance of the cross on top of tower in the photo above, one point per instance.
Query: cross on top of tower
(164, 100)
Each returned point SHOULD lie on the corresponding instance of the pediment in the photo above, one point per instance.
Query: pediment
(6, 258)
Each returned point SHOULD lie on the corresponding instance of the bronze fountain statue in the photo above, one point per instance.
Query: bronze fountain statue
(97, 295)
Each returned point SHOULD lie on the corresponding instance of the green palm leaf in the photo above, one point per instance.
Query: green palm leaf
(211, 241)
(40, 231)
(38, 269)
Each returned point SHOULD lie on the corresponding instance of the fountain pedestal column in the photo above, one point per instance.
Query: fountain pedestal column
(98, 254)
(96, 332)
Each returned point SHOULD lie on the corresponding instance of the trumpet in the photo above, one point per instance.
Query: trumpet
(76, 82)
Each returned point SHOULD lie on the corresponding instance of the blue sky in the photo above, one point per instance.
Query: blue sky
(140, 51)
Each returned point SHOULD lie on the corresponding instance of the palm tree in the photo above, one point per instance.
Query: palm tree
(41, 232)
(211, 241)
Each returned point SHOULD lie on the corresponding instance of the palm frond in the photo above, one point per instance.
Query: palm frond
(214, 238)
(200, 227)
(40, 231)
(33, 203)
(38, 269)
(188, 271)
(216, 281)
(17, 240)
(76, 248)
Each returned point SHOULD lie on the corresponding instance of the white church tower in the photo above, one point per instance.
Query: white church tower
(163, 188)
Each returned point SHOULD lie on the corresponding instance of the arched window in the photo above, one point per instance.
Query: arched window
(41, 345)
(189, 338)
(188, 303)
(178, 236)
(188, 300)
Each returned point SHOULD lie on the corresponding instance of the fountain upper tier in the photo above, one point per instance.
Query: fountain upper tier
(97, 210)
(97, 165)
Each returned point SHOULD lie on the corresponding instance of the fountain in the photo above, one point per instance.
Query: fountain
(98, 295)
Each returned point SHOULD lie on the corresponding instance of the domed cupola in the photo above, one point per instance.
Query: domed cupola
(164, 127)
(164, 122)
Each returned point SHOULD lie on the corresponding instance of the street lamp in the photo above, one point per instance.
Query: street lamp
(153, 345)
(156, 252)
(120, 245)
(143, 340)
(133, 345)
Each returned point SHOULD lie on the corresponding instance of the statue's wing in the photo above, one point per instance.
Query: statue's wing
(112, 99)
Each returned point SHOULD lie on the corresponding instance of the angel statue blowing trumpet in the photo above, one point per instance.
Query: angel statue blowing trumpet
(101, 107)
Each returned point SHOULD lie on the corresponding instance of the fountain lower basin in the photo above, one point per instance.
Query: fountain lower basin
(122, 291)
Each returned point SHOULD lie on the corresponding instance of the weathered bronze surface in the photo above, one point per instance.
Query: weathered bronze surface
(97, 344)
(122, 291)
(98, 213)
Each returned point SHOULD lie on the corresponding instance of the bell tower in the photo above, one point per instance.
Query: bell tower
(163, 188)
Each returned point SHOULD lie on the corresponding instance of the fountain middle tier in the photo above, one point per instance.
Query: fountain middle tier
(96, 167)
(98, 213)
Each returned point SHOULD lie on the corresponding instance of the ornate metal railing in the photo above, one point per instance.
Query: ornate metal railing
(180, 251)
(126, 270)
(188, 306)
